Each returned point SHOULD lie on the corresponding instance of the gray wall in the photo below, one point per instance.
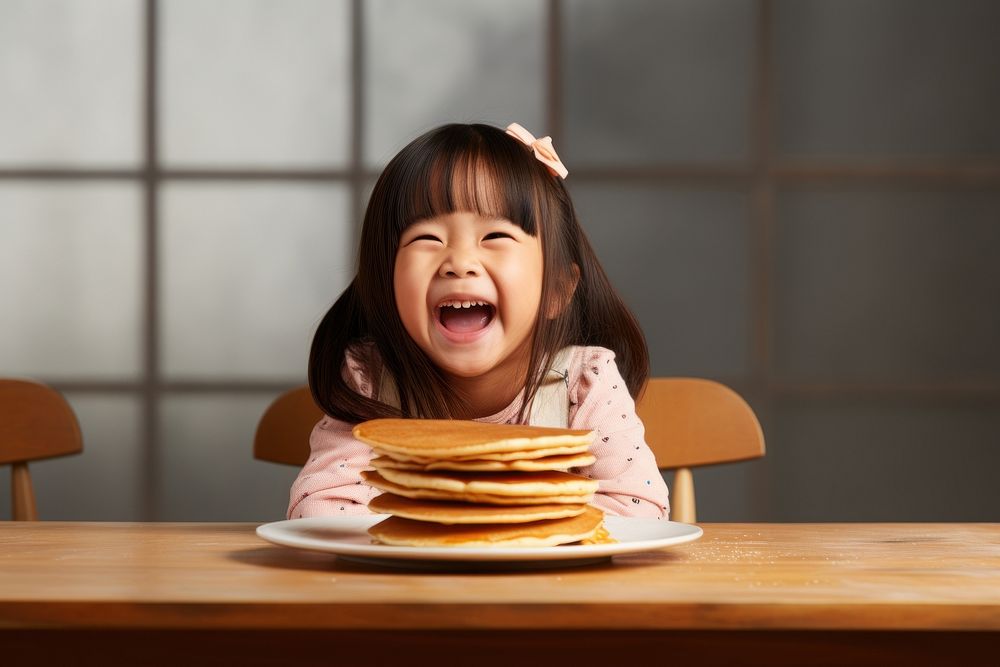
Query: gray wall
(798, 198)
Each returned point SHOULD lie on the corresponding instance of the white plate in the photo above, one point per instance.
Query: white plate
(348, 538)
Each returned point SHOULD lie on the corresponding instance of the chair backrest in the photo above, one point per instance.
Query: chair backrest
(689, 422)
(283, 431)
(36, 422)
(694, 422)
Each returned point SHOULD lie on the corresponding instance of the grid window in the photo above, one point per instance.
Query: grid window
(798, 198)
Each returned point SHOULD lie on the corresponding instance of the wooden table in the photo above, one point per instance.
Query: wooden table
(94, 593)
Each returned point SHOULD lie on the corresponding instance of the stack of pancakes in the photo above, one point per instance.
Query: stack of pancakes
(472, 484)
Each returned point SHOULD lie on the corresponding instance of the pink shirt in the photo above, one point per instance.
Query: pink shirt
(629, 483)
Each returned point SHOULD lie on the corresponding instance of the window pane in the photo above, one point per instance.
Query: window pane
(248, 271)
(653, 82)
(887, 77)
(71, 282)
(887, 286)
(879, 461)
(104, 483)
(206, 464)
(438, 61)
(69, 83)
(253, 82)
(680, 261)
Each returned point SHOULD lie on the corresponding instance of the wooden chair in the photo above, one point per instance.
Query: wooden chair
(689, 422)
(36, 422)
(693, 422)
(283, 431)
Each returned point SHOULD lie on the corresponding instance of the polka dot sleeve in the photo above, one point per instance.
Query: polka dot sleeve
(629, 482)
(330, 483)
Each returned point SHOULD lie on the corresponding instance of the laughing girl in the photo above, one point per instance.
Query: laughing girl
(478, 296)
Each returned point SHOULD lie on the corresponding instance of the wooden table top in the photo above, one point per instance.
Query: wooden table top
(737, 576)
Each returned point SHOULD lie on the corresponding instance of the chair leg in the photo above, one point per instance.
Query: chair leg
(682, 504)
(23, 495)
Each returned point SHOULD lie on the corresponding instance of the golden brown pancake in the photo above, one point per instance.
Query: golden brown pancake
(454, 438)
(532, 454)
(538, 484)
(451, 513)
(574, 450)
(467, 483)
(379, 482)
(552, 532)
(528, 465)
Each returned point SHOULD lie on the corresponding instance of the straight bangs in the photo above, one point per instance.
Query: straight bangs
(467, 168)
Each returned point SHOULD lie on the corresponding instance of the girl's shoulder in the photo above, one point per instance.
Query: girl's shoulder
(581, 355)
(588, 367)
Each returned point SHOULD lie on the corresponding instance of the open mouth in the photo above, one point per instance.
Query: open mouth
(465, 316)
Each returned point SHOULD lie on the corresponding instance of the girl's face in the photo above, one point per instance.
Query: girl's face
(468, 289)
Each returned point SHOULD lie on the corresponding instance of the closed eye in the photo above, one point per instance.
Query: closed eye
(424, 237)
(497, 235)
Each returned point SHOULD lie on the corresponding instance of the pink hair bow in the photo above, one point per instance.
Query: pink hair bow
(542, 147)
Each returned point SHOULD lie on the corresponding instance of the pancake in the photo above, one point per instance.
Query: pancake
(453, 438)
(537, 484)
(465, 483)
(451, 513)
(544, 463)
(544, 452)
(379, 482)
(400, 531)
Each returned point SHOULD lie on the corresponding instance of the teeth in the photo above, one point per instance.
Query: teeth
(461, 304)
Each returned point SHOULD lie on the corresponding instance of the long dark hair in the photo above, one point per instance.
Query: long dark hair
(481, 169)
